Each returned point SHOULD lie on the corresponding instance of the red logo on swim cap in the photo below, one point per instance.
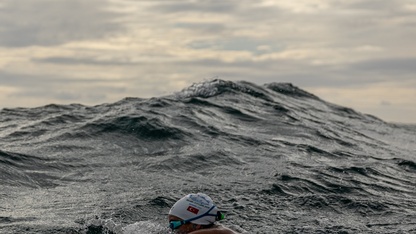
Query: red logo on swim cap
(192, 209)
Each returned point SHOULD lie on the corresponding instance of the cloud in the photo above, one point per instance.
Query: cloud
(196, 6)
(76, 50)
(385, 103)
(388, 66)
(34, 90)
(81, 61)
(61, 88)
(216, 28)
(371, 5)
(54, 22)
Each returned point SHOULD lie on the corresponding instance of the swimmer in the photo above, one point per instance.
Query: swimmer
(196, 214)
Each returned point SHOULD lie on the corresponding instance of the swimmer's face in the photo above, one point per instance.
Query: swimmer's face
(183, 229)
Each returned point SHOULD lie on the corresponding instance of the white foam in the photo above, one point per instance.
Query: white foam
(145, 227)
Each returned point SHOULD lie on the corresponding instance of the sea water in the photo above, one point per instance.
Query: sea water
(274, 158)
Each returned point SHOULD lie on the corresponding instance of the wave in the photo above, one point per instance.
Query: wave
(273, 150)
(33, 171)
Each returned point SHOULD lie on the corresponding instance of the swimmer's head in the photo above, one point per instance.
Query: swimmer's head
(196, 208)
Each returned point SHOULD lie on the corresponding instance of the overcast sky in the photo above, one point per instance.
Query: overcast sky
(355, 53)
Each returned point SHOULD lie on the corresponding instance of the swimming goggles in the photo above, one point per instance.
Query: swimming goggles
(177, 223)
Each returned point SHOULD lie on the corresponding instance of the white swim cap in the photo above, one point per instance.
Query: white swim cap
(194, 205)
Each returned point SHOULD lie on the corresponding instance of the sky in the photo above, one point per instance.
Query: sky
(355, 53)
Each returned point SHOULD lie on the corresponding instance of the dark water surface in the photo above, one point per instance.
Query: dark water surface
(275, 158)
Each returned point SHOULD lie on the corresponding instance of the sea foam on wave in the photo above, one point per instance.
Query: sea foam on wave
(145, 227)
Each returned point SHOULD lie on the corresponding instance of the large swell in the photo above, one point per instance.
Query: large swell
(275, 158)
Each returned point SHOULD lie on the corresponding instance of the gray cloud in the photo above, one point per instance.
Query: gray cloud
(82, 61)
(53, 22)
(196, 6)
(385, 103)
(371, 5)
(65, 96)
(33, 80)
(58, 88)
(387, 65)
(203, 27)
(35, 92)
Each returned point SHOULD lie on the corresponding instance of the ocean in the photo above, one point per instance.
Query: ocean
(274, 158)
